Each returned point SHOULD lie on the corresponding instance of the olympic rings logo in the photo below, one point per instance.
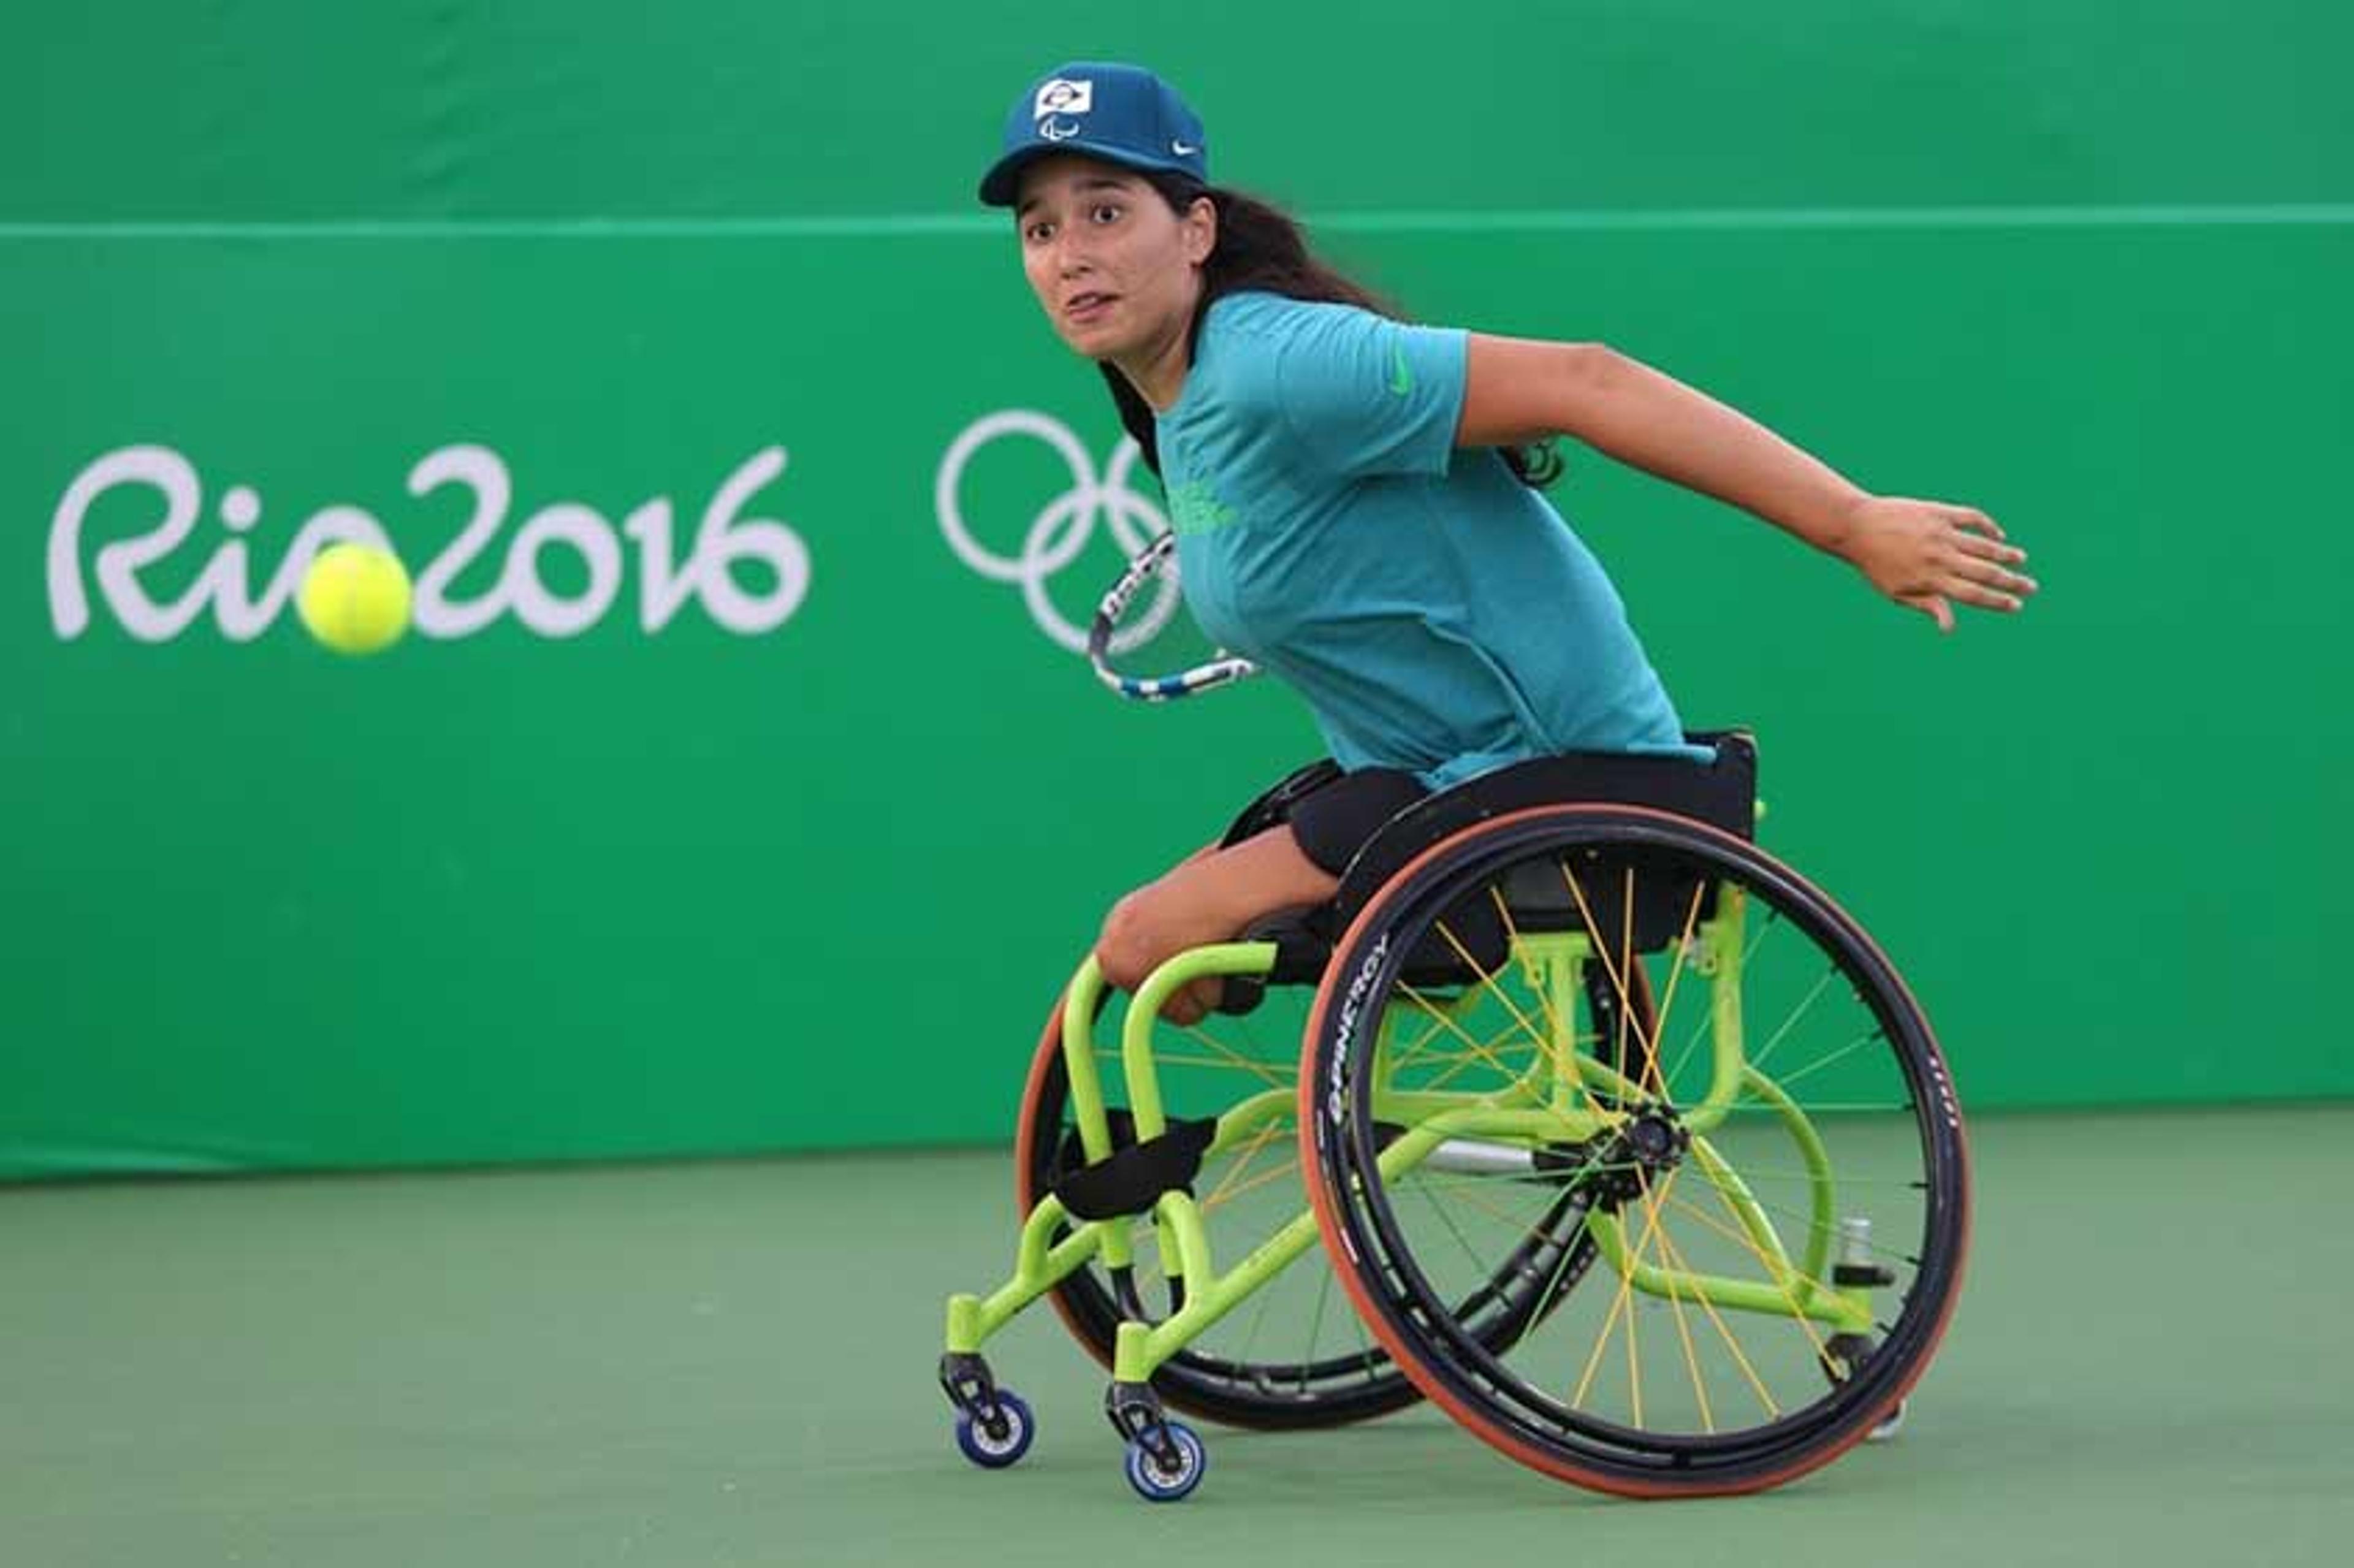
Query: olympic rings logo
(1062, 527)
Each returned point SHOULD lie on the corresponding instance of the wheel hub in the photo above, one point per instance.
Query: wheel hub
(1637, 1153)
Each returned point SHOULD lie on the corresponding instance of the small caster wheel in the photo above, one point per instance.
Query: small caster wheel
(997, 1434)
(1890, 1425)
(1166, 1476)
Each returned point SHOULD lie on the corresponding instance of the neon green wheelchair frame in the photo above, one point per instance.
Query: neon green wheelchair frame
(1556, 1102)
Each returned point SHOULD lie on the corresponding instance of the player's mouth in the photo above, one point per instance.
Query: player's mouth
(1088, 309)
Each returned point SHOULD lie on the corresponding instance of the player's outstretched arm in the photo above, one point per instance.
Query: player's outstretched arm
(1928, 554)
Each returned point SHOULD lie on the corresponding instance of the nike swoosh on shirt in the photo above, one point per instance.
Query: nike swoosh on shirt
(1401, 375)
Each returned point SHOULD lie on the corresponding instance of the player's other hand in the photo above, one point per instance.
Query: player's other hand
(1932, 556)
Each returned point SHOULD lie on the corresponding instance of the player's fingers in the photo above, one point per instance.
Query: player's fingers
(1984, 574)
(1983, 596)
(1932, 605)
(1971, 518)
(1987, 549)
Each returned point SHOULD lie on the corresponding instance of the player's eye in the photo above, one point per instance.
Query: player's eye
(1106, 212)
(1037, 233)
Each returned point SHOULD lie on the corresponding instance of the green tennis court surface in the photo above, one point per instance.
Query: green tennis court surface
(732, 1363)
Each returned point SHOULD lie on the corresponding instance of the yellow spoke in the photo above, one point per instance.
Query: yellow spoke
(1261, 1180)
(1653, 1204)
(1248, 1064)
(1634, 1370)
(1627, 968)
(1580, 1234)
(1454, 1028)
(1479, 1051)
(1701, 1030)
(1416, 1052)
(1732, 1233)
(1635, 1261)
(1536, 1182)
(1879, 1249)
(1250, 1152)
(1798, 1173)
(1488, 981)
(1622, 1302)
(1464, 1059)
(1618, 1304)
(1512, 940)
(1456, 1059)
(1467, 1190)
(1675, 1301)
(1791, 1022)
(1675, 973)
(1849, 1049)
(1273, 1076)
(1618, 977)
(1675, 1257)
(1781, 1273)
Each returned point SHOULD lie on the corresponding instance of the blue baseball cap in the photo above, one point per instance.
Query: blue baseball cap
(1121, 114)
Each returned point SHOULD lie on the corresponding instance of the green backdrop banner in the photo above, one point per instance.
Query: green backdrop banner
(739, 789)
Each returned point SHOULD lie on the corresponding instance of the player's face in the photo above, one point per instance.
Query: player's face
(1114, 268)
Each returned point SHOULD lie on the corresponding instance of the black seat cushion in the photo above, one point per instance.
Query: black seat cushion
(1722, 792)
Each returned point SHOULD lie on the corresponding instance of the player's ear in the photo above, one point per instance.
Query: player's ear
(1201, 231)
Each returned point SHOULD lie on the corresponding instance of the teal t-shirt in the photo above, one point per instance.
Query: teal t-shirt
(1437, 615)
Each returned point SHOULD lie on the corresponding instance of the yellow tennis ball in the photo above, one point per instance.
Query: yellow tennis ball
(354, 599)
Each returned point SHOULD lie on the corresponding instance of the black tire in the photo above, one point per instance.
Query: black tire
(1881, 1085)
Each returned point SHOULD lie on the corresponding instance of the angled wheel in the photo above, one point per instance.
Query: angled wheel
(1762, 1145)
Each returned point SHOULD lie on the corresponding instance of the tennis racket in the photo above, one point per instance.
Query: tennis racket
(1138, 617)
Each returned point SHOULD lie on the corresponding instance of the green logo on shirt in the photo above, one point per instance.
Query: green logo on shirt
(1192, 509)
(1401, 375)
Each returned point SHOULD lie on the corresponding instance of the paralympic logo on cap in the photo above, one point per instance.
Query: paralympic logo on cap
(1062, 96)
(1060, 530)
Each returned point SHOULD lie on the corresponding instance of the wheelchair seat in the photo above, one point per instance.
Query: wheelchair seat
(1720, 792)
(1723, 793)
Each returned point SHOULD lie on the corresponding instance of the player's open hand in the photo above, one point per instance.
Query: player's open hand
(1931, 556)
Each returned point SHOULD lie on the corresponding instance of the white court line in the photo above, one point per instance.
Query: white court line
(1416, 220)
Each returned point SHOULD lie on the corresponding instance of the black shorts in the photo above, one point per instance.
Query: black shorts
(1336, 821)
(1334, 815)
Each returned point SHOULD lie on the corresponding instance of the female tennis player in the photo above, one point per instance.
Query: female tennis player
(1356, 498)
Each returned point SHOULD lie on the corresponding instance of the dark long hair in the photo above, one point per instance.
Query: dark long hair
(1260, 246)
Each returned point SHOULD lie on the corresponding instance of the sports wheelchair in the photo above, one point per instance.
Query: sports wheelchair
(1622, 1142)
